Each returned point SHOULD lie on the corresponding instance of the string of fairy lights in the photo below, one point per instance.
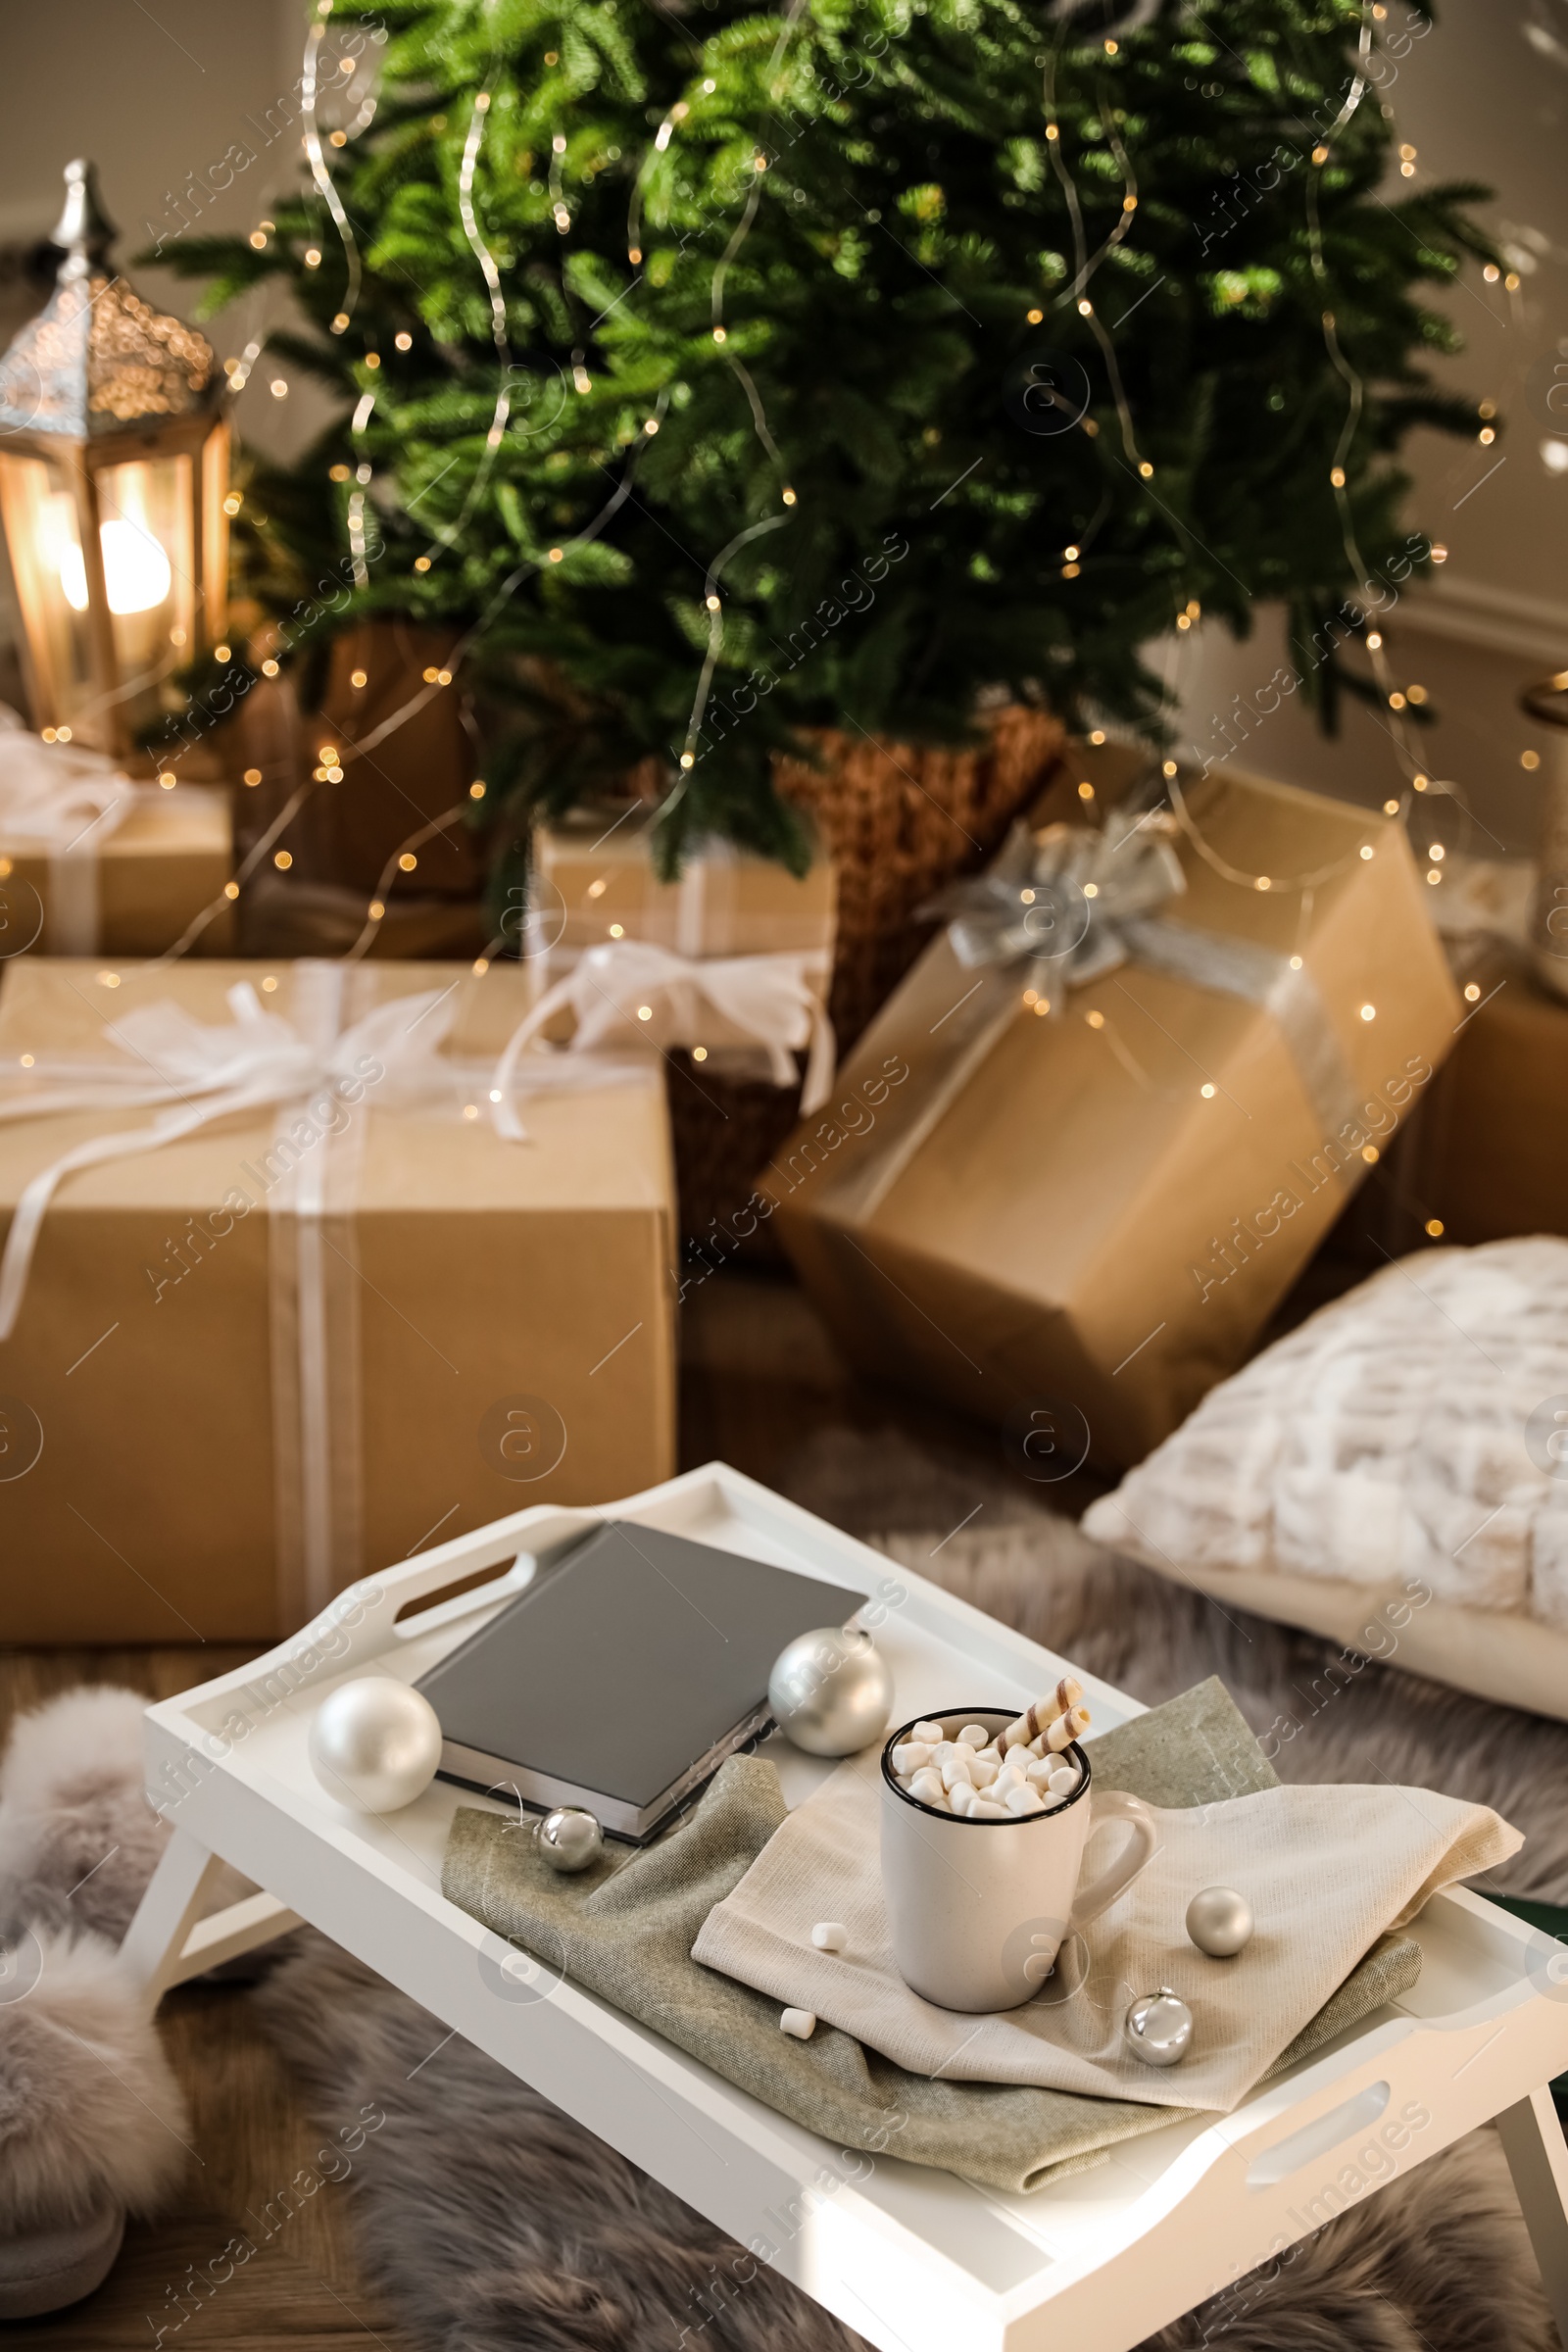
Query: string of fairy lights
(405, 859)
(1078, 292)
(1393, 700)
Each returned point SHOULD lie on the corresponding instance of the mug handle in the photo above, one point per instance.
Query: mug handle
(1117, 1804)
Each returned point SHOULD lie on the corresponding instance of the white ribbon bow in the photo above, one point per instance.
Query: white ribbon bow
(54, 794)
(168, 1057)
(632, 992)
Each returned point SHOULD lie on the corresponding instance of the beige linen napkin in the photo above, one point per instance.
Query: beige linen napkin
(1327, 1869)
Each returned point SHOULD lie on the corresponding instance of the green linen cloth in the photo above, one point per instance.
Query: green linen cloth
(625, 1929)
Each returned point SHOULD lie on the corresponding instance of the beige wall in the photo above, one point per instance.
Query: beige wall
(1483, 96)
(156, 97)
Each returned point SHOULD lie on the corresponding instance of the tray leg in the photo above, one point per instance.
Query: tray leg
(1538, 2158)
(169, 1941)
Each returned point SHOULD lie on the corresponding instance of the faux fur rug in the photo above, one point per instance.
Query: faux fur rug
(492, 2222)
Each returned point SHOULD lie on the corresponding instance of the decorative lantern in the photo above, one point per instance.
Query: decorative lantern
(113, 469)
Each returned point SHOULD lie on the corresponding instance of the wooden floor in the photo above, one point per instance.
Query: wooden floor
(760, 1388)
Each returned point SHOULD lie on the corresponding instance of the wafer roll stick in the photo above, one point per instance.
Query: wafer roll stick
(1066, 1728)
(1036, 1720)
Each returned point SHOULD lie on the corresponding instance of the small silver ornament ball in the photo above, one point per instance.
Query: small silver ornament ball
(1160, 2027)
(1219, 1922)
(831, 1691)
(570, 1839)
(374, 1744)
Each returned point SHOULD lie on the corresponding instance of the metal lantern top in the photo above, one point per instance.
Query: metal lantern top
(98, 359)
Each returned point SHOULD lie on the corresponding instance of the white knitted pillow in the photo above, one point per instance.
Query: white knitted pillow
(1393, 1475)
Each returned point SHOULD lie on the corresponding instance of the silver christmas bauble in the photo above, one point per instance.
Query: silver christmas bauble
(1219, 1922)
(569, 1840)
(374, 1744)
(1160, 2027)
(831, 1691)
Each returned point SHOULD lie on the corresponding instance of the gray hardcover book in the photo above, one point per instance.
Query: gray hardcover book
(624, 1675)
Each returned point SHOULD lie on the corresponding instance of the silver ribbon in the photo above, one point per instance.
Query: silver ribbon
(1076, 904)
(1062, 910)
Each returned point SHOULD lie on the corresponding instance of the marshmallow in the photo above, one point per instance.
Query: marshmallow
(1005, 1778)
(802, 2023)
(830, 1935)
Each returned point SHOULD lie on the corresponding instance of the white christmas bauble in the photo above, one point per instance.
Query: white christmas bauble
(374, 1744)
(831, 1692)
(1219, 1922)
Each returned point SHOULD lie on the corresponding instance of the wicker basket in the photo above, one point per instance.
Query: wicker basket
(900, 820)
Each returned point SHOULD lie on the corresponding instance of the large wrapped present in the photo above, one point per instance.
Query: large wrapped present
(593, 882)
(1092, 1139)
(286, 1293)
(92, 863)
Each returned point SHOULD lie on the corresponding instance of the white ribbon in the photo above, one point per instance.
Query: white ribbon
(630, 991)
(167, 1058)
(66, 802)
(191, 1074)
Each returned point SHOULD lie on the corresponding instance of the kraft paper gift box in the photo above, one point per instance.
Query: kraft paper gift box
(137, 892)
(594, 882)
(1488, 1152)
(91, 864)
(344, 1319)
(1069, 1203)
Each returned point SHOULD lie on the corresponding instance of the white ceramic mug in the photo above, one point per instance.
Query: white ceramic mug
(979, 1909)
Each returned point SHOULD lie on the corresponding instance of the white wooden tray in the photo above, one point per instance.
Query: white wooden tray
(914, 2260)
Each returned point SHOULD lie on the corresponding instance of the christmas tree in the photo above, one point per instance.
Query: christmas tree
(722, 375)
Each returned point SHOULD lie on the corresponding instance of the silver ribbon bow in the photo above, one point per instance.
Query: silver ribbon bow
(1071, 897)
(1076, 904)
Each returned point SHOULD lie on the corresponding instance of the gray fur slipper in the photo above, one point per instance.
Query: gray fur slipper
(92, 2122)
(79, 1839)
(52, 2268)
